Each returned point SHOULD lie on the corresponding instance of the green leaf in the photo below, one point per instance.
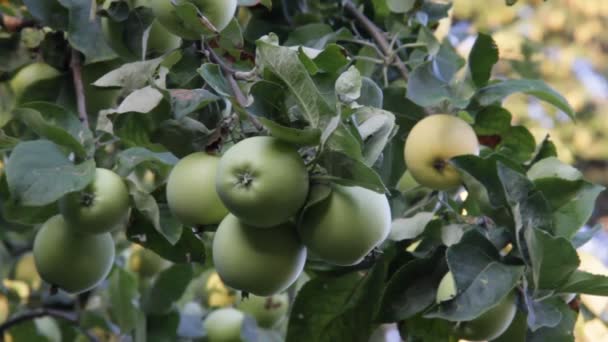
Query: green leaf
(400, 6)
(492, 120)
(188, 249)
(129, 159)
(45, 129)
(376, 128)
(167, 289)
(584, 282)
(123, 295)
(165, 223)
(350, 172)
(562, 332)
(301, 137)
(186, 101)
(269, 102)
(482, 58)
(330, 308)
(130, 76)
(142, 100)
(483, 171)
(51, 13)
(496, 92)
(488, 288)
(574, 214)
(426, 89)
(348, 85)
(7, 143)
(553, 259)
(212, 74)
(410, 227)
(411, 289)
(553, 168)
(39, 173)
(85, 34)
(285, 64)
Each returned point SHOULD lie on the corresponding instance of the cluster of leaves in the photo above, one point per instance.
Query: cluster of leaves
(309, 73)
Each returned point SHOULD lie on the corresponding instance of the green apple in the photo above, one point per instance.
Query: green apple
(33, 75)
(219, 13)
(191, 192)
(345, 227)
(224, 325)
(101, 207)
(267, 311)
(262, 181)
(431, 143)
(73, 262)
(259, 261)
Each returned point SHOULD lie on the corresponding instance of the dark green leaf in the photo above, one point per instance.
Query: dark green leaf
(347, 171)
(188, 249)
(482, 58)
(302, 137)
(39, 173)
(488, 288)
(45, 129)
(584, 282)
(553, 259)
(496, 92)
(123, 294)
(412, 288)
(186, 101)
(167, 289)
(212, 74)
(285, 64)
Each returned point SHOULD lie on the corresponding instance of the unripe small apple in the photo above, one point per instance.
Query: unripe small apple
(267, 311)
(224, 325)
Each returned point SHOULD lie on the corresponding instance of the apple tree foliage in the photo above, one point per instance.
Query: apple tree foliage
(343, 80)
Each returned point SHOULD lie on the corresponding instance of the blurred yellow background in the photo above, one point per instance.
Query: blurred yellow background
(565, 43)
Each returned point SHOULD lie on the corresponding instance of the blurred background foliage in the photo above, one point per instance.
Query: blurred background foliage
(564, 42)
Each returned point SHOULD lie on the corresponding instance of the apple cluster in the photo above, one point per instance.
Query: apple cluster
(74, 250)
(257, 192)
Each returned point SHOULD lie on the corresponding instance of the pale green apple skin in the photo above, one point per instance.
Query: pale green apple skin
(191, 192)
(433, 141)
(346, 226)
(224, 325)
(267, 311)
(276, 181)
(31, 74)
(73, 262)
(108, 209)
(259, 261)
(219, 13)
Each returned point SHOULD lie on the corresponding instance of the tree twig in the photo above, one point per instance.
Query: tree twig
(76, 66)
(376, 35)
(47, 312)
(229, 73)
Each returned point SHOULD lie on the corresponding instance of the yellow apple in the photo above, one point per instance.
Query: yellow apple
(432, 143)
